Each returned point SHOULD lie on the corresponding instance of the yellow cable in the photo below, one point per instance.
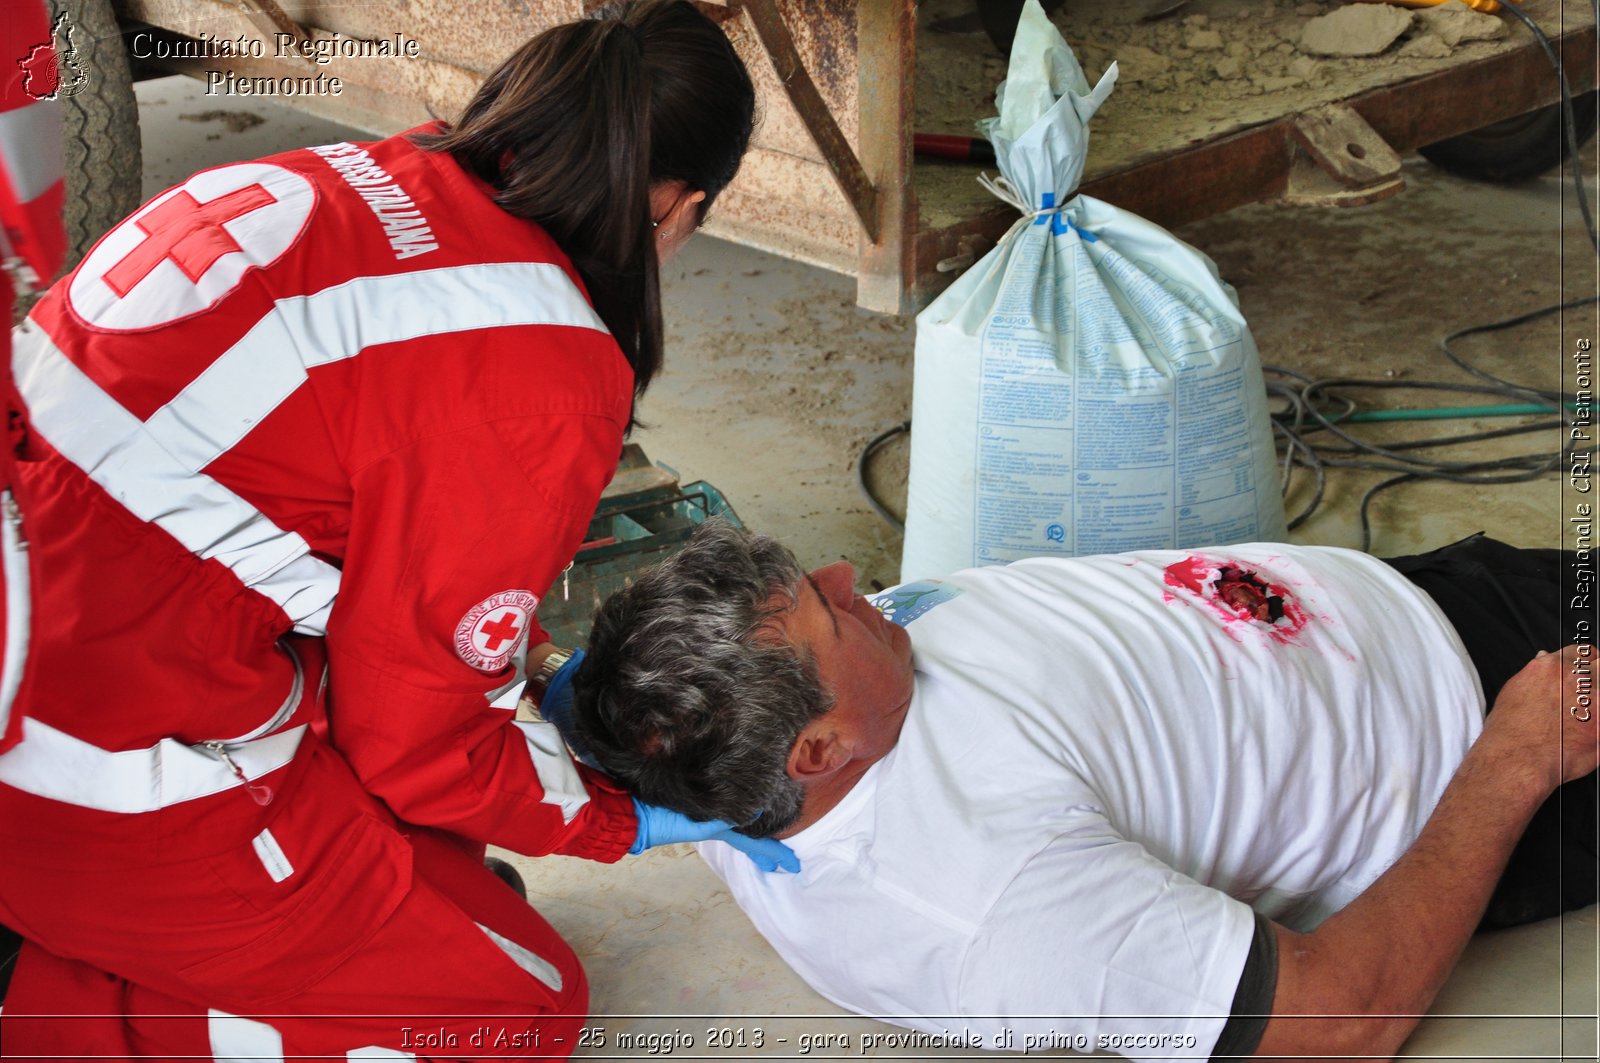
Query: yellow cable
(1488, 7)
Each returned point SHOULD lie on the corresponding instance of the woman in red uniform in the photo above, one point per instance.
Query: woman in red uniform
(309, 439)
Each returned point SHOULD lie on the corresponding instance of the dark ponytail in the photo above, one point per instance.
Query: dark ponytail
(575, 127)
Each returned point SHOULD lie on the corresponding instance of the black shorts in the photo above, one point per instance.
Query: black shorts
(1507, 604)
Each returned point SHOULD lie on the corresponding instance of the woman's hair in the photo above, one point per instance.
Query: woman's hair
(687, 699)
(574, 128)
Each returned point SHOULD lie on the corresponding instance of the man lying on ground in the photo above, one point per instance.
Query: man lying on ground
(1155, 802)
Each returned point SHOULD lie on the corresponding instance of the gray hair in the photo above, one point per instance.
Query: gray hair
(685, 700)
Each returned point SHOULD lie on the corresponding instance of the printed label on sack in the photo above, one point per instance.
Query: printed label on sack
(495, 628)
(1144, 440)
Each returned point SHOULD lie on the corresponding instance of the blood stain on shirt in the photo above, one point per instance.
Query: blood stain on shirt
(1239, 595)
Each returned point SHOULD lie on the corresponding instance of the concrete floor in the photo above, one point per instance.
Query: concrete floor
(775, 380)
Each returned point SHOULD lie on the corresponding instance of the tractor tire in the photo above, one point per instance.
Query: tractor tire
(1517, 148)
(99, 121)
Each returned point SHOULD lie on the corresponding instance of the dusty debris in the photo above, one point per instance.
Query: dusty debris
(1455, 22)
(236, 121)
(1278, 84)
(1304, 67)
(1357, 30)
(1229, 68)
(1138, 63)
(1204, 41)
(1425, 46)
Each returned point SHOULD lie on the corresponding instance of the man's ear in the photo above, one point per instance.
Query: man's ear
(818, 752)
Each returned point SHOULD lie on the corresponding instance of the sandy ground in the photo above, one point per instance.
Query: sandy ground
(775, 381)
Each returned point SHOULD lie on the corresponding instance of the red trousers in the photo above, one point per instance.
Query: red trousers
(334, 933)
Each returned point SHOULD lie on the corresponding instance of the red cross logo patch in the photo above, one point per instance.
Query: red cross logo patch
(188, 248)
(494, 629)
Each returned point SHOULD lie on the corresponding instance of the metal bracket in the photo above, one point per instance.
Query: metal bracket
(968, 250)
(1341, 161)
(808, 103)
(271, 19)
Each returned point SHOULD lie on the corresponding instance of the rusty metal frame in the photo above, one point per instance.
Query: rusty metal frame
(896, 259)
(885, 102)
(808, 103)
(271, 19)
(1204, 179)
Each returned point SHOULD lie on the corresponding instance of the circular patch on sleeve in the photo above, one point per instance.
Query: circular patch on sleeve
(495, 628)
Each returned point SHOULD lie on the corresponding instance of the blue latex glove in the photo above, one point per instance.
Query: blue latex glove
(662, 826)
(556, 707)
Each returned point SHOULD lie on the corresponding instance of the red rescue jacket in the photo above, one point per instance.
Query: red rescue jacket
(311, 436)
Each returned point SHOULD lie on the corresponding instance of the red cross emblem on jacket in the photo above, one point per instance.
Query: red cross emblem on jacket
(189, 248)
(494, 629)
(188, 232)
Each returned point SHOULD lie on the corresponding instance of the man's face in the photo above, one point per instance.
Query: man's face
(863, 660)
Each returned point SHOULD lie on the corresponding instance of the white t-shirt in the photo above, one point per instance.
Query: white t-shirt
(1106, 764)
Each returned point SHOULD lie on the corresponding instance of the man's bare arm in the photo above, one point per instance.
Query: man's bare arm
(1374, 968)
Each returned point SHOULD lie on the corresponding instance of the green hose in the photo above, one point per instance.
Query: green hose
(1442, 413)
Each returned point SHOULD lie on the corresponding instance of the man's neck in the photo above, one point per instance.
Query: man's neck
(822, 796)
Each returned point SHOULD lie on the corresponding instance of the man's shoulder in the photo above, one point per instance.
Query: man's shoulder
(929, 839)
(838, 892)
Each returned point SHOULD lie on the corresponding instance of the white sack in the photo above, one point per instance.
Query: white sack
(1090, 385)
